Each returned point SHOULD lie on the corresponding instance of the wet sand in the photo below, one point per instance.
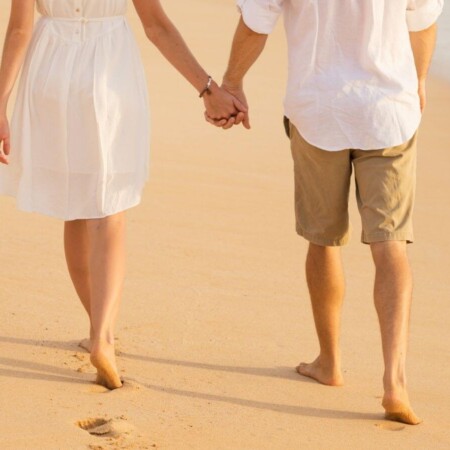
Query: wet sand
(216, 314)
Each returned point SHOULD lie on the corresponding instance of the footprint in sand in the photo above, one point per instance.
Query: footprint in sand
(390, 426)
(97, 389)
(80, 363)
(106, 427)
(129, 386)
(115, 434)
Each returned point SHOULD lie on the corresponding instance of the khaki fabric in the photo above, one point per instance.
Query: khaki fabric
(385, 187)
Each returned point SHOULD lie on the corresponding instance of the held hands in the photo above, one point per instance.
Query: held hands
(4, 139)
(226, 106)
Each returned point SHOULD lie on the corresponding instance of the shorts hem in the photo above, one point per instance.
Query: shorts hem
(384, 236)
(324, 242)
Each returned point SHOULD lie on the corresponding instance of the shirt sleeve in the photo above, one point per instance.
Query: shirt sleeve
(421, 14)
(260, 15)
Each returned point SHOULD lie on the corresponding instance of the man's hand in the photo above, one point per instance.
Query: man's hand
(422, 95)
(422, 44)
(222, 108)
(238, 92)
(4, 139)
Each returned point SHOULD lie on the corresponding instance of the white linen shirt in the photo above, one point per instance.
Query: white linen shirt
(352, 81)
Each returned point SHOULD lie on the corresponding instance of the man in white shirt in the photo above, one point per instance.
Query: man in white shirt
(355, 92)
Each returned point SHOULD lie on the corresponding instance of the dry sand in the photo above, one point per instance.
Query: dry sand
(216, 313)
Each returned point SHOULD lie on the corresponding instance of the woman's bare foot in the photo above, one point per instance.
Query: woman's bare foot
(86, 344)
(323, 373)
(398, 409)
(104, 360)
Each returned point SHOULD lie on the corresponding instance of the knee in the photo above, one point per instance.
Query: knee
(388, 252)
(323, 250)
(319, 255)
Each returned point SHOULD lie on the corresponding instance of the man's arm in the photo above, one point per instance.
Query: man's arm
(423, 43)
(246, 48)
(165, 36)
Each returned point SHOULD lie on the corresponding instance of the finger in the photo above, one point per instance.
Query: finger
(6, 146)
(239, 118)
(221, 122)
(423, 103)
(229, 123)
(3, 158)
(208, 119)
(215, 122)
(246, 121)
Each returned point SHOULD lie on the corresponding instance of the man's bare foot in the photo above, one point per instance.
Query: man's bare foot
(398, 409)
(86, 344)
(104, 360)
(331, 376)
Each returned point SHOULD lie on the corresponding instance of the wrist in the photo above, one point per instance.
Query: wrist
(206, 87)
(233, 81)
(233, 84)
(3, 107)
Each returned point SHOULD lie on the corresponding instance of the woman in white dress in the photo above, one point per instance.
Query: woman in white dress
(79, 140)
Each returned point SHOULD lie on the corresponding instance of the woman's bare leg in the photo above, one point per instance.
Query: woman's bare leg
(76, 247)
(107, 266)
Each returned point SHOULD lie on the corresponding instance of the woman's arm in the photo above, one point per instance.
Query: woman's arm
(164, 35)
(17, 39)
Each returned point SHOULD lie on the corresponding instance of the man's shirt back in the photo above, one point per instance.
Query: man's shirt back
(352, 80)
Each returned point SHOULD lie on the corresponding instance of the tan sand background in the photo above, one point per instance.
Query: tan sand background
(216, 312)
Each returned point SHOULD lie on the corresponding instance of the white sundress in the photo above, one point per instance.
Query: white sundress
(80, 127)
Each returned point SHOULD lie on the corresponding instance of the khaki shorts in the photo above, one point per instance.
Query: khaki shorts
(385, 185)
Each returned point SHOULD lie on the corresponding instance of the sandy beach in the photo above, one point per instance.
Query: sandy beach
(216, 312)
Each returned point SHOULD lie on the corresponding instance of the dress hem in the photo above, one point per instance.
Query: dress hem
(70, 219)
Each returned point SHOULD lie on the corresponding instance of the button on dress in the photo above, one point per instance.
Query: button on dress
(80, 127)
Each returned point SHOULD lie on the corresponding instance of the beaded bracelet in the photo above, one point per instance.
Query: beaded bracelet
(208, 85)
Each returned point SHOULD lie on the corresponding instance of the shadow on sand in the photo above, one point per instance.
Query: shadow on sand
(67, 375)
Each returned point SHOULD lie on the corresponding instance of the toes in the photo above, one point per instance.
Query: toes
(406, 416)
(399, 411)
(303, 369)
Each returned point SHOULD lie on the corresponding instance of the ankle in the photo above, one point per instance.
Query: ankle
(103, 340)
(330, 360)
(394, 386)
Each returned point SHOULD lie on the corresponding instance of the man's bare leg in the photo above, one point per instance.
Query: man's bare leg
(76, 246)
(392, 294)
(326, 285)
(107, 264)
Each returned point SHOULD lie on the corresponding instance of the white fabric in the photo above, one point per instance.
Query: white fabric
(80, 128)
(421, 14)
(352, 79)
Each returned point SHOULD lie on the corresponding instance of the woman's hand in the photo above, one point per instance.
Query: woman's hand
(222, 108)
(4, 139)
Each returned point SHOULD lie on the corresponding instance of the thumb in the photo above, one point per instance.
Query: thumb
(246, 121)
(239, 105)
